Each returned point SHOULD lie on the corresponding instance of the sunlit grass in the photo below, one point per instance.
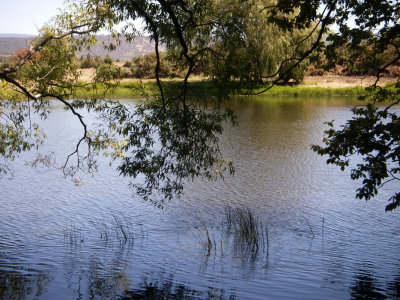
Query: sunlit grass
(288, 90)
(131, 89)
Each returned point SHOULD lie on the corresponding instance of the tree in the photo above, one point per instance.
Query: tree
(170, 139)
(250, 47)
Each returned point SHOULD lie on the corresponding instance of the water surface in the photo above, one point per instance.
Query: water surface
(323, 243)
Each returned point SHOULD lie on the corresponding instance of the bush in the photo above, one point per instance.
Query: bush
(107, 72)
(20, 53)
(5, 64)
(296, 74)
(127, 64)
(144, 66)
(89, 62)
(126, 73)
(314, 71)
(4, 58)
(108, 60)
(364, 60)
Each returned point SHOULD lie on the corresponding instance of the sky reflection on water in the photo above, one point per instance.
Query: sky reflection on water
(58, 241)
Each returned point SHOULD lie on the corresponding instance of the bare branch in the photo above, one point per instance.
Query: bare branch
(85, 134)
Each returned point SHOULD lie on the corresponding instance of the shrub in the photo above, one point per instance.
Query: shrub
(108, 60)
(126, 73)
(20, 53)
(296, 74)
(144, 66)
(4, 58)
(127, 64)
(107, 72)
(89, 62)
(314, 71)
(5, 64)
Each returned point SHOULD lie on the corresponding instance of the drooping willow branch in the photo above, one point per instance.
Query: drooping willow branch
(305, 55)
(83, 138)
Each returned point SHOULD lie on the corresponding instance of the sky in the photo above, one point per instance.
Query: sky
(27, 16)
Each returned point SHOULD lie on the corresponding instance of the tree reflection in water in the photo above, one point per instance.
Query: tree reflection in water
(105, 275)
(22, 285)
(394, 287)
(167, 289)
(107, 271)
(366, 286)
(19, 279)
(98, 273)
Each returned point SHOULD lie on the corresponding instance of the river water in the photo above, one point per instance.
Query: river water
(59, 241)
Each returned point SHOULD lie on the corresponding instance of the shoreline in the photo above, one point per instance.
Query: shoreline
(311, 86)
(321, 85)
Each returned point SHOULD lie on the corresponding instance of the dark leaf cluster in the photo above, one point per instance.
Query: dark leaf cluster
(372, 135)
(168, 145)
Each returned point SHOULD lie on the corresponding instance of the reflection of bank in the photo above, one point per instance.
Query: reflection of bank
(109, 279)
(166, 288)
(99, 272)
(105, 272)
(23, 284)
(367, 286)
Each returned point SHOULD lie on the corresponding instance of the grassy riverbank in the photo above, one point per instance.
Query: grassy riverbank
(137, 89)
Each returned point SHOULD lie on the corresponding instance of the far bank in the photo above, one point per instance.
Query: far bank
(328, 85)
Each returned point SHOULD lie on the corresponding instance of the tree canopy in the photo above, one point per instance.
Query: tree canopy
(172, 138)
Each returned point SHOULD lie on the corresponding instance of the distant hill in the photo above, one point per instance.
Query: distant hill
(139, 46)
(9, 43)
(14, 35)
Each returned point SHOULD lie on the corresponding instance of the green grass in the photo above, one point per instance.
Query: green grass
(201, 88)
(124, 90)
(287, 90)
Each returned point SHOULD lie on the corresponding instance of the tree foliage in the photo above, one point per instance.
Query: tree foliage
(250, 48)
(144, 66)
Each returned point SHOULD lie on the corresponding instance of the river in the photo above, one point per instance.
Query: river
(59, 241)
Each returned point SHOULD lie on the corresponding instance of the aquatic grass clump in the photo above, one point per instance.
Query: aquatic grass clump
(247, 229)
(121, 229)
(205, 239)
(241, 229)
